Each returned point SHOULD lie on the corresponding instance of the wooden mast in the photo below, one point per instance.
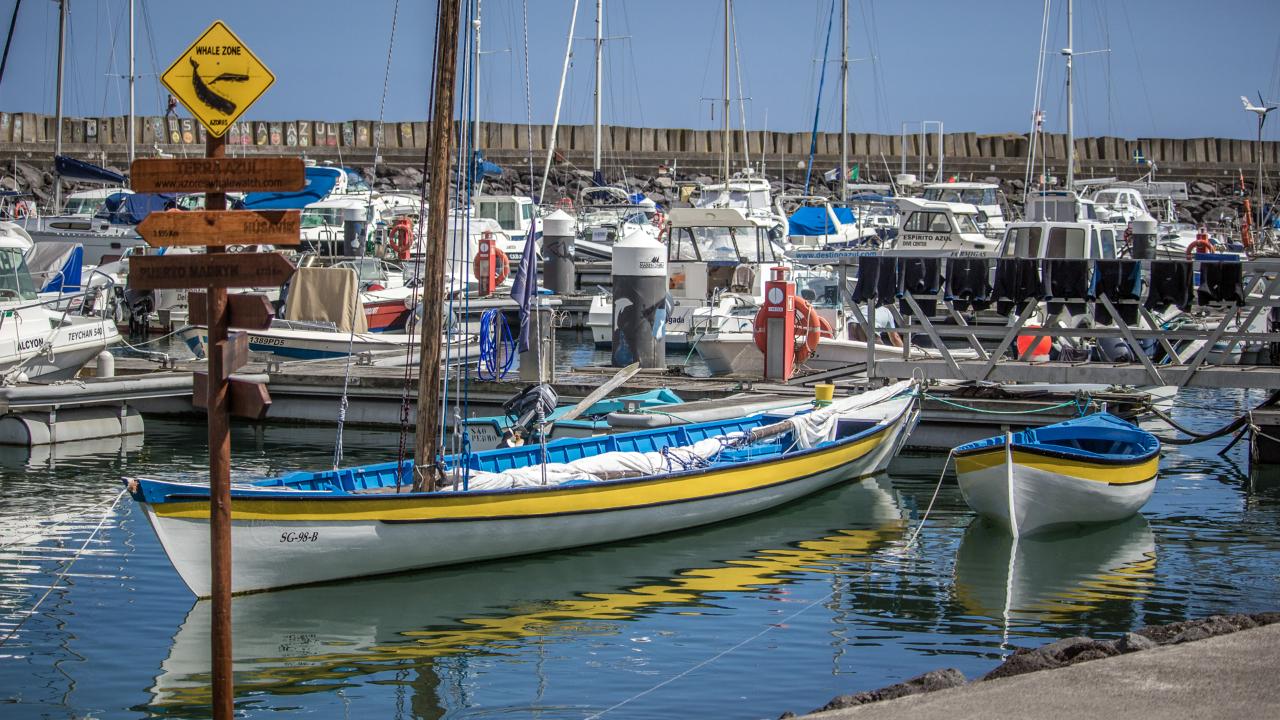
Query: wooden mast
(440, 150)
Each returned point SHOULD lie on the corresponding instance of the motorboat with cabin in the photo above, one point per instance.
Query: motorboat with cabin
(988, 198)
(933, 226)
(41, 338)
(718, 260)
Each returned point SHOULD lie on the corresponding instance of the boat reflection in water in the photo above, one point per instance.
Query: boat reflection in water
(1057, 577)
(32, 457)
(322, 638)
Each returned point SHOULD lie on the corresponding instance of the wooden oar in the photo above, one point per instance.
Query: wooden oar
(613, 383)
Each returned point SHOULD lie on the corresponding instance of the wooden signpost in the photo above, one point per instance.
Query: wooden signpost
(188, 175)
(220, 270)
(217, 78)
(227, 227)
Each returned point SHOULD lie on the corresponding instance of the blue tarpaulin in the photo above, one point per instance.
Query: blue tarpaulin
(56, 266)
(320, 182)
(73, 169)
(814, 220)
(131, 208)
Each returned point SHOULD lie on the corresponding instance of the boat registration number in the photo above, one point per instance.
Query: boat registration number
(303, 536)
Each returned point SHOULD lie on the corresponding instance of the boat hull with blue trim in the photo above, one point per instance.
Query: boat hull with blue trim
(1096, 468)
(305, 528)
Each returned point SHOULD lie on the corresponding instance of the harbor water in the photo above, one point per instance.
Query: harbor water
(747, 619)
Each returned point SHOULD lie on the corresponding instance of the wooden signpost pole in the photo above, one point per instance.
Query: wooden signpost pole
(219, 472)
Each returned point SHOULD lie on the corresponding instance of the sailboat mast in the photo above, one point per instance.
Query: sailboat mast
(728, 9)
(57, 125)
(475, 91)
(844, 100)
(1071, 116)
(132, 149)
(427, 439)
(595, 158)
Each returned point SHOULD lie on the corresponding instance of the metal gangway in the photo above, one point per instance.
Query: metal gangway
(1230, 303)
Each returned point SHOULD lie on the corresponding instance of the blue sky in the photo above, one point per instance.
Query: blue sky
(1176, 68)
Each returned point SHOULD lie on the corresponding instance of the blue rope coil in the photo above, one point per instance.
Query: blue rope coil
(495, 337)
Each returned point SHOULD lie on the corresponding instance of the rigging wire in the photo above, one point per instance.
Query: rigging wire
(356, 305)
(1037, 111)
(822, 77)
(742, 100)
(555, 123)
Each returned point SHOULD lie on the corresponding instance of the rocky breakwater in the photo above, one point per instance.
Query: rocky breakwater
(1061, 653)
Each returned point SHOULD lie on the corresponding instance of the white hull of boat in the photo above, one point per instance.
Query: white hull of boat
(71, 347)
(1044, 500)
(272, 553)
(320, 344)
(737, 354)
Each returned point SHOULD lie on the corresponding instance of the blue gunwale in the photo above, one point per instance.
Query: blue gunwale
(329, 485)
(1136, 445)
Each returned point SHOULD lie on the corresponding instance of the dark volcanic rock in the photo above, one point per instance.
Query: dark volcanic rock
(928, 682)
(1056, 654)
(1181, 632)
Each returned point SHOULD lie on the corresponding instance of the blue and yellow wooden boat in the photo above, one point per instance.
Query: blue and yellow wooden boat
(1096, 468)
(309, 527)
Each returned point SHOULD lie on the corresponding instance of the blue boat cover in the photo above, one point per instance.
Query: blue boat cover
(131, 209)
(1082, 436)
(320, 182)
(59, 265)
(814, 220)
(73, 169)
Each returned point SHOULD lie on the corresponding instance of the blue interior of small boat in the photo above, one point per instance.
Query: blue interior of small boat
(1100, 435)
(391, 474)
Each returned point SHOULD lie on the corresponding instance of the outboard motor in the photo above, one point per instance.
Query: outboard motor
(525, 408)
(141, 303)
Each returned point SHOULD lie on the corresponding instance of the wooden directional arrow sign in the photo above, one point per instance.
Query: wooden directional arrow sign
(214, 175)
(221, 228)
(233, 270)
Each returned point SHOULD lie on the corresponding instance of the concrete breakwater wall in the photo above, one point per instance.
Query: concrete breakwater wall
(30, 134)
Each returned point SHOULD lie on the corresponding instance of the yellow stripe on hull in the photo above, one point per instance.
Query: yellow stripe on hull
(1109, 473)
(598, 497)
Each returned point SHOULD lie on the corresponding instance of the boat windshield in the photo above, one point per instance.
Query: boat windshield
(368, 269)
(504, 211)
(321, 217)
(84, 206)
(966, 224)
(972, 196)
(15, 279)
(719, 244)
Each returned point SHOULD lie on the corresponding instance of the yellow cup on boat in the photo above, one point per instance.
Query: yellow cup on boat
(823, 393)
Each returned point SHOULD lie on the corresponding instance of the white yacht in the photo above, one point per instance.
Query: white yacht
(38, 341)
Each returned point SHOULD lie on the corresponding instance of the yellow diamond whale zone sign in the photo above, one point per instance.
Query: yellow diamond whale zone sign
(217, 78)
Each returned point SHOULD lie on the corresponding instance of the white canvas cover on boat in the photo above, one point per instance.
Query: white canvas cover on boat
(809, 429)
(320, 294)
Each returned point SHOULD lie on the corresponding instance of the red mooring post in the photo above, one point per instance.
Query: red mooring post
(780, 325)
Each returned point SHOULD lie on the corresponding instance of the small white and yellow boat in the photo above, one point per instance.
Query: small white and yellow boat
(1096, 468)
(310, 527)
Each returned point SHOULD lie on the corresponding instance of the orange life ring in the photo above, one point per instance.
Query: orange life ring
(400, 237)
(810, 328)
(20, 209)
(501, 262)
(1201, 244)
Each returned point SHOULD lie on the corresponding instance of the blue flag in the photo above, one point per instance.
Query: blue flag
(525, 284)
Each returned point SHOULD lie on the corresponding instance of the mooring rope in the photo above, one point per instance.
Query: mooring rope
(65, 569)
(952, 403)
(765, 630)
(1245, 420)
